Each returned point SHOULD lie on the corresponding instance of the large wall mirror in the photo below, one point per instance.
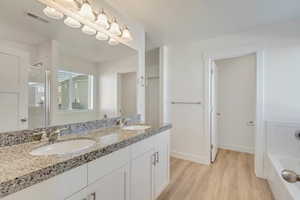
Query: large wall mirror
(52, 74)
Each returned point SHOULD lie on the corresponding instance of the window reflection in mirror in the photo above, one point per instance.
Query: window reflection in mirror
(75, 91)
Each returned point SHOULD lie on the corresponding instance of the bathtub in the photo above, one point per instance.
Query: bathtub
(281, 189)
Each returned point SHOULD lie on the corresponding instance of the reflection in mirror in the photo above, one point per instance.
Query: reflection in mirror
(75, 91)
(36, 96)
(127, 93)
(52, 74)
(118, 87)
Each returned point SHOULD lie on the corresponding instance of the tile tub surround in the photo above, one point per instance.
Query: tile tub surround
(24, 136)
(19, 169)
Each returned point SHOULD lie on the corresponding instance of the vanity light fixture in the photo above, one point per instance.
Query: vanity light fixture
(115, 28)
(88, 30)
(102, 20)
(72, 22)
(126, 35)
(83, 15)
(101, 36)
(53, 13)
(86, 11)
(113, 42)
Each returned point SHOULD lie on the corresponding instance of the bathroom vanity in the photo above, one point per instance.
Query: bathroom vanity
(53, 76)
(134, 165)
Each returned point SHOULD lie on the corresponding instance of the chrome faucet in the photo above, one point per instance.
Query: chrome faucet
(53, 136)
(122, 122)
(50, 137)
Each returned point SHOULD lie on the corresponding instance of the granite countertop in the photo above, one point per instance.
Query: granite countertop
(19, 169)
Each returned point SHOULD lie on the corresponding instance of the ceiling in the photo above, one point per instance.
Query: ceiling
(16, 26)
(169, 21)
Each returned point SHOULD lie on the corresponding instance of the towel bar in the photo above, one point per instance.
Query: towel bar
(182, 102)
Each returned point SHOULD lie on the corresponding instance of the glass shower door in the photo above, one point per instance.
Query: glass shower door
(37, 97)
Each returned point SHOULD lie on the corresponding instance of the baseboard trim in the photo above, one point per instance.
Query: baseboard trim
(237, 148)
(191, 157)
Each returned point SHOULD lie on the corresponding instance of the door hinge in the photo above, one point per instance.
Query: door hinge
(211, 146)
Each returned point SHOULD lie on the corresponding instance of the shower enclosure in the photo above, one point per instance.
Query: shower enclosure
(38, 96)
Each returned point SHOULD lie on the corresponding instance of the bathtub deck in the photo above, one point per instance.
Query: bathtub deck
(231, 177)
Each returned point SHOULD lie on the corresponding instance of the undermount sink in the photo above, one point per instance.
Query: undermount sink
(136, 127)
(65, 147)
(110, 139)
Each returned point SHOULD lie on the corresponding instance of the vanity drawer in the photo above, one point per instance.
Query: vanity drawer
(104, 165)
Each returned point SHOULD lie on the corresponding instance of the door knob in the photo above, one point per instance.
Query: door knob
(251, 123)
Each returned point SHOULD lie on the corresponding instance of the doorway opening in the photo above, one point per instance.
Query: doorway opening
(241, 116)
(233, 101)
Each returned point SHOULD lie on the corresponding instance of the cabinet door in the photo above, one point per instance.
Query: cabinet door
(162, 163)
(142, 177)
(114, 186)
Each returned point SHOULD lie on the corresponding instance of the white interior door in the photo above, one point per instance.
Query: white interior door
(237, 103)
(13, 90)
(214, 113)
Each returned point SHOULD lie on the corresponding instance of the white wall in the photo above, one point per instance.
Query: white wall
(282, 84)
(185, 81)
(108, 83)
(281, 138)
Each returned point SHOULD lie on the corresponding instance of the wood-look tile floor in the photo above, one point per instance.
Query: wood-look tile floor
(231, 177)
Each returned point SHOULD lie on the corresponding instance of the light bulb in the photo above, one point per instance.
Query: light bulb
(89, 31)
(53, 13)
(102, 20)
(113, 42)
(72, 22)
(126, 35)
(101, 36)
(115, 28)
(87, 11)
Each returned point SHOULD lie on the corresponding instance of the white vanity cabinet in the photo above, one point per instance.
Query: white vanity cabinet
(137, 172)
(58, 187)
(142, 176)
(150, 167)
(114, 186)
(162, 162)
